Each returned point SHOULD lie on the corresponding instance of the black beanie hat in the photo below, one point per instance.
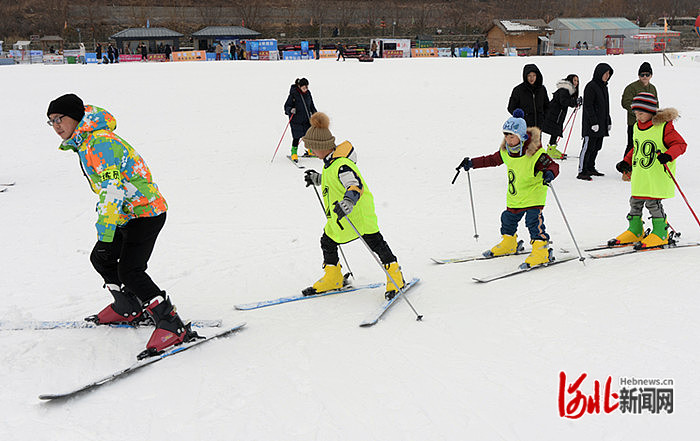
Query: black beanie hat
(645, 68)
(69, 105)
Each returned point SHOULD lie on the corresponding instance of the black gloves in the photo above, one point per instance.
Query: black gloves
(623, 167)
(664, 158)
(312, 177)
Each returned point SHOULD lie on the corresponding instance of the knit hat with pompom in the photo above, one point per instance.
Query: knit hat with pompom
(318, 137)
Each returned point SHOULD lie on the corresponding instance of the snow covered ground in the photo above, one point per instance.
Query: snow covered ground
(485, 362)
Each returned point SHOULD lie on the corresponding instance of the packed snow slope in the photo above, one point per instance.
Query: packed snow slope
(484, 363)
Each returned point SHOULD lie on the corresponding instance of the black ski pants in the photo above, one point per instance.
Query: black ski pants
(124, 260)
(589, 153)
(375, 241)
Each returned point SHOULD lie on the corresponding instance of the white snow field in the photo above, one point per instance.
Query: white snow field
(485, 362)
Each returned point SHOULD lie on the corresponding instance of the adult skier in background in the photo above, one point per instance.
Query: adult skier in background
(345, 194)
(530, 96)
(131, 212)
(564, 97)
(643, 84)
(595, 123)
(299, 106)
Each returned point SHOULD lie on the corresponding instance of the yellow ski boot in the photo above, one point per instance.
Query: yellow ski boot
(508, 245)
(633, 233)
(394, 271)
(658, 236)
(331, 280)
(539, 254)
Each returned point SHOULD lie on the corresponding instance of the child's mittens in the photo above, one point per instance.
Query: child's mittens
(664, 158)
(547, 177)
(623, 167)
(466, 164)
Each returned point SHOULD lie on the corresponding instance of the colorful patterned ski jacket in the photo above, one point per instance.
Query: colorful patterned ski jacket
(116, 173)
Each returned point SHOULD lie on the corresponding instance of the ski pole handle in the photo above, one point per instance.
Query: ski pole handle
(455, 178)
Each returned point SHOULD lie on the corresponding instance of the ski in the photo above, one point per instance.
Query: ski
(3, 189)
(630, 250)
(521, 270)
(264, 303)
(7, 184)
(483, 256)
(139, 364)
(608, 247)
(374, 318)
(295, 162)
(82, 324)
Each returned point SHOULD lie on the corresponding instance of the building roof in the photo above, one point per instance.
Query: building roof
(225, 31)
(51, 38)
(522, 25)
(147, 33)
(604, 23)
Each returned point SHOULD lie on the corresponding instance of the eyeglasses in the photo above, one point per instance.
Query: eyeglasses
(645, 74)
(56, 120)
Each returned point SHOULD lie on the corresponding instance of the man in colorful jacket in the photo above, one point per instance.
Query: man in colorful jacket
(131, 212)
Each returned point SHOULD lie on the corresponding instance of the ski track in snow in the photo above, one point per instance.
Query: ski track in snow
(485, 361)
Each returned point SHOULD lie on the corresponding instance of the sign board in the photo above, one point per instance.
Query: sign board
(424, 52)
(189, 56)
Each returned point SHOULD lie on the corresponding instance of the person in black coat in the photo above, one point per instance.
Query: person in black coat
(300, 106)
(531, 96)
(565, 96)
(596, 122)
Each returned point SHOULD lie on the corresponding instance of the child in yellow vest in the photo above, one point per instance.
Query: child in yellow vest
(530, 169)
(657, 144)
(345, 196)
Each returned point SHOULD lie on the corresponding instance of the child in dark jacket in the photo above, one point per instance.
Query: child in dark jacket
(530, 169)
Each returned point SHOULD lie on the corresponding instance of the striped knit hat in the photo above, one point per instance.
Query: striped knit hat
(645, 102)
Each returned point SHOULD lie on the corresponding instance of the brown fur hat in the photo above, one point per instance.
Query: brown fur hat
(319, 137)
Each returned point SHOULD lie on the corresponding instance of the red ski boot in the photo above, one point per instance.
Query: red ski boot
(170, 330)
(126, 310)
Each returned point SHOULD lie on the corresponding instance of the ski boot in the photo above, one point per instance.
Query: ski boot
(332, 279)
(658, 238)
(554, 153)
(634, 233)
(170, 330)
(294, 156)
(308, 154)
(508, 245)
(539, 255)
(394, 271)
(126, 309)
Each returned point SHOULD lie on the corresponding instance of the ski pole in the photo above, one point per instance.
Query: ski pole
(569, 118)
(283, 133)
(571, 129)
(347, 265)
(401, 291)
(581, 258)
(471, 199)
(682, 194)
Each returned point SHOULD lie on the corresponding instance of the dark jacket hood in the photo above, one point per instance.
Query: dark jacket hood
(600, 70)
(532, 68)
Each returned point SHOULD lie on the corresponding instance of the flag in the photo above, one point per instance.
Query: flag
(665, 26)
(243, 22)
(65, 25)
(148, 23)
